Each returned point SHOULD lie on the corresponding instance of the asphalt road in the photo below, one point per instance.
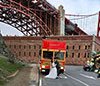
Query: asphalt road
(73, 76)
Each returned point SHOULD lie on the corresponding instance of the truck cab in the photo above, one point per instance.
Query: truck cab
(52, 49)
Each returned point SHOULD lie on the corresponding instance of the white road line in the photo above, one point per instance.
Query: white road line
(78, 80)
(62, 77)
(91, 77)
(40, 82)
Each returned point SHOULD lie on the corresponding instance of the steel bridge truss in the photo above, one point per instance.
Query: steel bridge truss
(29, 17)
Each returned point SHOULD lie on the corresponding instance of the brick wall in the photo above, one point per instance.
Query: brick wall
(78, 47)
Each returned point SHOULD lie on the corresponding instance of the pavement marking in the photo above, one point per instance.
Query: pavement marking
(40, 82)
(63, 76)
(91, 77)
(78, 80)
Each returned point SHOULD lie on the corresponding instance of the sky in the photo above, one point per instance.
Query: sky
(78, 7)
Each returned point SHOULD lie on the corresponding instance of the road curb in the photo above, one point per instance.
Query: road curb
(34, 75)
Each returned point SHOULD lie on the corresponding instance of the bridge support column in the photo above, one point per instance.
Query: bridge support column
(62, 21)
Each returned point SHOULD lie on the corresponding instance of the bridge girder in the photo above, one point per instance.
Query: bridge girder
(25, 16)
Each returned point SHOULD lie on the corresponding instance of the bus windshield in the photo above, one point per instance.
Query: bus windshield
(47, 54)
(59, 55)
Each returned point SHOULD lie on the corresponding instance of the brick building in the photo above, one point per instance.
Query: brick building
(78, 47)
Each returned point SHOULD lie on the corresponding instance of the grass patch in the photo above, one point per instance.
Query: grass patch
(7, 68)
(2, 82)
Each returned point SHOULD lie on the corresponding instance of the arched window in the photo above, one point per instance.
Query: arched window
(79, 47)
(88, 46)
(34, 46)
(29, 53)
(34, 53)
(72, 55)
(85, 47)
(24, 53)
(19, 53)
(15, 46)
(19, 46)
(24, 46)
(73, 47)
(78, 55)
(88, 55)
(66, 53)
(84, 55)
(67, 47)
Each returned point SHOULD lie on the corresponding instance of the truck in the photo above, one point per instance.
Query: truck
(52, 48)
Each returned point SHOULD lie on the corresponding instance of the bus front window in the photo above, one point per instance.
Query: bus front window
(59, 55)
(47, 54)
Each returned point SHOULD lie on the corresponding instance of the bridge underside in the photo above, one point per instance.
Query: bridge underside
(31, 18)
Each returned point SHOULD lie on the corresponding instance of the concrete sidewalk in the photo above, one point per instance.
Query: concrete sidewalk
(34, 75)
(21, 79)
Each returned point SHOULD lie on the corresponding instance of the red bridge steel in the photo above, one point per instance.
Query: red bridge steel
(32, 19)
(37, 18)
(98, 28)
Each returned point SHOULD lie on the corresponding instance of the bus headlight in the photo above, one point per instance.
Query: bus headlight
(62, 67)
(43, 66)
